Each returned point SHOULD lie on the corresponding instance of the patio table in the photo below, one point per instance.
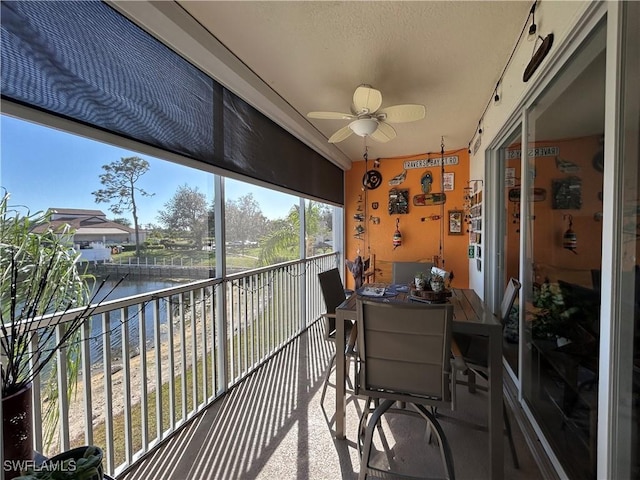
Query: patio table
(470, 316)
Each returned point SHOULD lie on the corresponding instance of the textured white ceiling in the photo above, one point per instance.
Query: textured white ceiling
(446, 55)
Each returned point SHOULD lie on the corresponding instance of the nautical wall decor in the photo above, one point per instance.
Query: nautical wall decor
(431, 162)
(539, 194)
(372, 179)
(398, 201)
(570, 239)
(425, 181)
(398, 179)
(397, 236)
(565, 166)
(566, 193)
(427, 199)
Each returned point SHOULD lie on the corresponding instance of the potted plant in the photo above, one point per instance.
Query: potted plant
(82, 463)
(40, 287)
(420, 280)
(552, 318)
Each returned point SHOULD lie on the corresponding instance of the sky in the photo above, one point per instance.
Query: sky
(42, 168)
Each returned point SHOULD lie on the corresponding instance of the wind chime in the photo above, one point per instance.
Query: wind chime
(570, 239)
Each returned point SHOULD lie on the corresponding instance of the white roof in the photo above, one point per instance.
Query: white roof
(100, 231)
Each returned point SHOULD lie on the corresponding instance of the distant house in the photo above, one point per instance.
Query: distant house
(92, 231)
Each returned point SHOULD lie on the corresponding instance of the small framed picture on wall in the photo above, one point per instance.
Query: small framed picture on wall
(447, 181)
(455, 222)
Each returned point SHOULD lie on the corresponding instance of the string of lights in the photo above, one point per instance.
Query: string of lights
(495, 97)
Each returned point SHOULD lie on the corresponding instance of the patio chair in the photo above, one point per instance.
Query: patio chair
(405, 272)
(404, 356)
(474, 348)
(334, 294)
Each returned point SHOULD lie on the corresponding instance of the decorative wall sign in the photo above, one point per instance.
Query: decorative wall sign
(398, 201)
(431, 162)
(426, 181)
(539, 194)
(510, 177)
(567, 193)
(538, 57)
(427, 199)
(448, 181)
(477, 143)
(535, 152)
(455, 222)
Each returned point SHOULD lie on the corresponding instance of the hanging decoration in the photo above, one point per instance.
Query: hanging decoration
(372, 179)
(430, 218)
(397, 236)
(398, 179)
(570, 239)
(538, 56)
(425, 181)
(398, 201)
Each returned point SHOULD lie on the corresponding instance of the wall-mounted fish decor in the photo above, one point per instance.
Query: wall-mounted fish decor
(565, 166)
(398, 179)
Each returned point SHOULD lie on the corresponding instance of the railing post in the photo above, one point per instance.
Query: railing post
(85, 335)
(36, 396)
(63, 387)
(126, 385)
(108, 390)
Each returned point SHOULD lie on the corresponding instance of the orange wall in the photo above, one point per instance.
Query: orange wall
(550, 225)
(420, 240)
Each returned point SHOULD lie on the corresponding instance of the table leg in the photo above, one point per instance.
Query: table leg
(496, 421)
(340, 376)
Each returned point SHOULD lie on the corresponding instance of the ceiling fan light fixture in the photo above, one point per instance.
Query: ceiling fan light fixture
(364, 126)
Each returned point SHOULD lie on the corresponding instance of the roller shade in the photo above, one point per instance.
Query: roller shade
(84, 61)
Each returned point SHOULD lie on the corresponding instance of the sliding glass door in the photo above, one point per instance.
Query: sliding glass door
(564, 173)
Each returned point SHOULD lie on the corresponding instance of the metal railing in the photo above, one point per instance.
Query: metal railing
(148, 363)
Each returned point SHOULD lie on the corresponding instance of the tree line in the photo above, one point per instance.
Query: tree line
(188, 216)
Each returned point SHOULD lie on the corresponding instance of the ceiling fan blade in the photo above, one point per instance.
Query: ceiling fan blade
(401, 113)
(366, 100)
(384, 133)
(341, 135)
(331, 115)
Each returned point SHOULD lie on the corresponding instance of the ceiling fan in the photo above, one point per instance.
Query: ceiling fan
(368, 119)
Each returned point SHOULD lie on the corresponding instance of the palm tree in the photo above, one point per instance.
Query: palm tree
(282, 243)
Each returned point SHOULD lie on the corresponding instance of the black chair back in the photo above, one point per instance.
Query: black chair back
(510, 294)
(333, 294)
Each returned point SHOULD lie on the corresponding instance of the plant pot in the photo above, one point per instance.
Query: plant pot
(420, 283)
(437, 286)
(17, 431)
(81, 463)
